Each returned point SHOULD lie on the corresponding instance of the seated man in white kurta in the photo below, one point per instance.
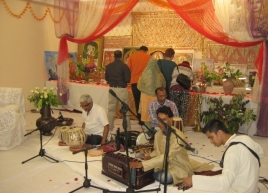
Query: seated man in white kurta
(95, 122)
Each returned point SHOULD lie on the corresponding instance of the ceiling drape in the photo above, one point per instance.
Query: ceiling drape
(84, 21)
(228, 22)
(233, 23)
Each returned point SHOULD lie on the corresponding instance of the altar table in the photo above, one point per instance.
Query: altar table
(99, 94)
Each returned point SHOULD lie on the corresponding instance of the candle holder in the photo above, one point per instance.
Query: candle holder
(198, 127)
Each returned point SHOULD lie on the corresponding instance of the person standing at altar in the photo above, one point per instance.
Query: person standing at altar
(167, 66)
(117, 75)
(161, 100)
(240, 163)
(178, 94)
(137, 63)
(95, 122)
(151, 79)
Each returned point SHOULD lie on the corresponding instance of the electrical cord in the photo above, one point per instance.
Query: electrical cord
(217, 162)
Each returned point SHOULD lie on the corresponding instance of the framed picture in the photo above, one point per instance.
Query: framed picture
(184, 55)
(51, 60)
(197, 64)
(157, 53)
(108, 56)
(128, 51)
(91, 52)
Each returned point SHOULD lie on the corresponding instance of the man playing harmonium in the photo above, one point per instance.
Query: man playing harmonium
(95, 122)
(179, 166)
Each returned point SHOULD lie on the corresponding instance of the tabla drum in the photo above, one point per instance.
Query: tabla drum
(177, 122)
(63, 135)
(142, 139)
(76, 138)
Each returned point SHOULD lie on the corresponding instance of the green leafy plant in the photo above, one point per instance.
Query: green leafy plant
(203, 75)
(44, 97)
(232, 115)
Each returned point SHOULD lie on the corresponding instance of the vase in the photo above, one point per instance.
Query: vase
(46, 123)
(228, 86)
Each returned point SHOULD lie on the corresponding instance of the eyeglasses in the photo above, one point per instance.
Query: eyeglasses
(83, 106)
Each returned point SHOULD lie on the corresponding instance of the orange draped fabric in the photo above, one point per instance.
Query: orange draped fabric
(161, 3)
(114, 12)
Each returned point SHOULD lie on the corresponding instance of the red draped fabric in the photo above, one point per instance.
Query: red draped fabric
(84, 21)
(200, 15)
(112, 14)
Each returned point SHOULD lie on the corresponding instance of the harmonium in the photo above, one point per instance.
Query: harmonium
(114, 165)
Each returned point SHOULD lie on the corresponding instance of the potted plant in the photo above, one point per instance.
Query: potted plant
(203, 75)
(232, 115)
(228, 76)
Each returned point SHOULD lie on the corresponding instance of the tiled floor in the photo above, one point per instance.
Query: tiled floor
(40, 175)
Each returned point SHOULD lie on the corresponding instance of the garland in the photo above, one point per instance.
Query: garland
(29, 7)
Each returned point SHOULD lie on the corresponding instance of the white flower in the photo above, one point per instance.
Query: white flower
(41, 96)
(45, 88)
(32, 91)
(60, 94)
(45, 95)
(51, 88)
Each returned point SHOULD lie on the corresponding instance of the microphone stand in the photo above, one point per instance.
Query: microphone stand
(186, 146)
(124, 109)
(128, 109)
(41, 151)
(168, 132)
(87, 183)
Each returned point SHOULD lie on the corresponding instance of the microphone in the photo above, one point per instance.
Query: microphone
(61, 118)
(194, 150)
(186, 146)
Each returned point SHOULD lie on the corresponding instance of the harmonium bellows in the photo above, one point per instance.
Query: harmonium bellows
(114, 165)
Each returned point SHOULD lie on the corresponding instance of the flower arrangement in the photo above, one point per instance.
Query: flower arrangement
(203, 75)
(81, 71)
(251, 78)
(231, 114)
(228, 72)
(44, 97)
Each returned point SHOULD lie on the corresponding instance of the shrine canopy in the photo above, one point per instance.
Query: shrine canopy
(229, 22)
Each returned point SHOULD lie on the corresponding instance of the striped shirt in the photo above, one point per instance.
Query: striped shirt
(154, 105)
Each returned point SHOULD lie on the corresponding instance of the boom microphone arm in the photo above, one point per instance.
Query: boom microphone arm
(125, 106)
(186, 146)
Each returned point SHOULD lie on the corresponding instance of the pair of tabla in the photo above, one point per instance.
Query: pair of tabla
(73, 137)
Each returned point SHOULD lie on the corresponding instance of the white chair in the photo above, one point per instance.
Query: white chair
(12, 119)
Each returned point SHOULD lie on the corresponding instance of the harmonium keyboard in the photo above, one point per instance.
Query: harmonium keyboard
(114, 165)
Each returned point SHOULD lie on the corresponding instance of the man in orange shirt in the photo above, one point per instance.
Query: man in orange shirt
(137, 63)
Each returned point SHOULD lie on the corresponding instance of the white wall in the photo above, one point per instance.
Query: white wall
(22, 45)
(24, 40)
